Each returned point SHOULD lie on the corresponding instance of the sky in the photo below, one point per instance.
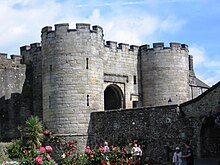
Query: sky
(135, 22)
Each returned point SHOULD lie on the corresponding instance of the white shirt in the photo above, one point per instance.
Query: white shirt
(177, 157)
(136, 151)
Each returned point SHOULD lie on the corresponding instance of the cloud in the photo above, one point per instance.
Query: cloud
(122, 21)
(207, 69)
(171, 24)
(23, 21)
(198, 54)
(132, 26)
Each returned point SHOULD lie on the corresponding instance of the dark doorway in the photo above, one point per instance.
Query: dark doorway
(113, 97)
(210, 138)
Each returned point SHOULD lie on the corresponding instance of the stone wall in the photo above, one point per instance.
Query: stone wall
(162, 128)
(120, 60)
(21, 90)
(206, 107)
(64, 80)
(164, 74)
(72, 78)
(32, 90)
(205, 104)
(12, 79)
(12, 73)
(157, 128)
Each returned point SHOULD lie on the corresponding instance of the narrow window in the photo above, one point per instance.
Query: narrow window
(51, 68)
(135, 80)
(49, 102)
(87, 63)
(87, 100)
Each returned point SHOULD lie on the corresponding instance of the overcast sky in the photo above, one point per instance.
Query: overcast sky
(192, 22)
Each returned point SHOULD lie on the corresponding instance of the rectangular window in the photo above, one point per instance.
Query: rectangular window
(87, 63)
(87, 100)
(135, 104)
(49, 102)
(135, 80)
(51, 68)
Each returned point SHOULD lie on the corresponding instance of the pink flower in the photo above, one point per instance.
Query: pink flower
(48, 148)
(48, 157)
(46, 132)
(91, 156)
(114, 149)
(101, 149)
(38, 160)
(87, 150)
(107, 148)
(42, 149)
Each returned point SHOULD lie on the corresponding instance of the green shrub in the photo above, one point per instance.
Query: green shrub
(15, 149)
(26, 149)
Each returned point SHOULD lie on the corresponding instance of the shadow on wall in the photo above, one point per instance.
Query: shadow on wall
(9, 117)
(15, 110)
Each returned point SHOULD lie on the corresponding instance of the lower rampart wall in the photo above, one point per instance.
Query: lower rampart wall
(158, 129)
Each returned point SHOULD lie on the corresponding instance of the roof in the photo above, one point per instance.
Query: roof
(200, 83)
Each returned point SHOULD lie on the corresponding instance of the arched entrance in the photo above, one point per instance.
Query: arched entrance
(113, 97)
(210, 138)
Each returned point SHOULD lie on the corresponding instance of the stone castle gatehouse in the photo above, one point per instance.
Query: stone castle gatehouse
(74, 75)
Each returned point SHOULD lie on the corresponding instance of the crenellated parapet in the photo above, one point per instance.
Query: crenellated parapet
(63, 29)
(32, 47)
(15, 61)
(29, 51)
(164, 68)
(3, 56)
(112, 45)
(159, 46)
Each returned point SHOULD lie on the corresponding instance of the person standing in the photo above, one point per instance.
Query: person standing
(106, 149)
(189, 157)
(136, 153)
(177, 160)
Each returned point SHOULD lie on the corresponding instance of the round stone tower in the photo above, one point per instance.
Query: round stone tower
(164, 74)
(72, 78)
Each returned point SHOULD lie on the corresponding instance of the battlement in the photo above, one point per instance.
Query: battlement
(3, 56)
(14, 58)
(160, 46)
(113, 45)
(32, 47)
(13, 62)
(80, 27)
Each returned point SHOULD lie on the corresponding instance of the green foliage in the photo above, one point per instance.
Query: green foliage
(115, 155)
(96, 155)
(70, 153)
(15, 149)
(34, 131)
(28, 149)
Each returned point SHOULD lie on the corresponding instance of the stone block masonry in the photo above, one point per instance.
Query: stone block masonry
(73, 73)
